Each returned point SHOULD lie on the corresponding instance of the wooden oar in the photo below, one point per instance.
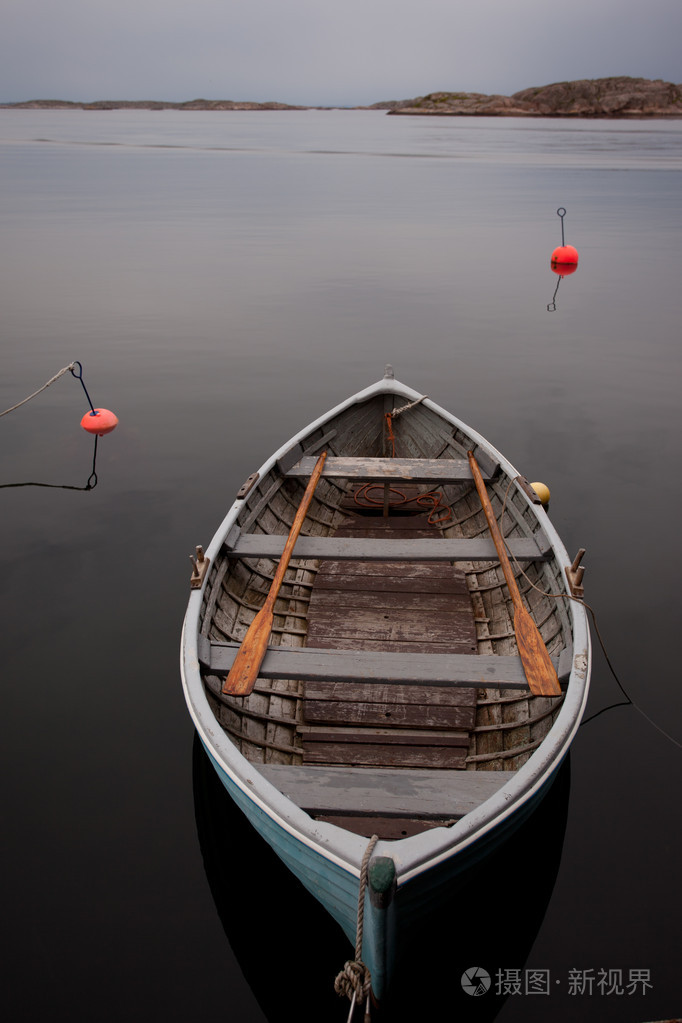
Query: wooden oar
(537, 664)
(246, 665)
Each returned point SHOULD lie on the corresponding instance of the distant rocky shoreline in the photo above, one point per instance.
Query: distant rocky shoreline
(595, 97)
(600, 97)
(147, 104)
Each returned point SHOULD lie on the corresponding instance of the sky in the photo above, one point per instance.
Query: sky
(325, 52)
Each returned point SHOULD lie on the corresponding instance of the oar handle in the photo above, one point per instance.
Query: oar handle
(296, 525)
(498, 539)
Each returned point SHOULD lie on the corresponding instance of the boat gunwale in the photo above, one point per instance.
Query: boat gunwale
(419, 852)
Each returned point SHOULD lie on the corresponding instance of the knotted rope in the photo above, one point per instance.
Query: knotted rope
(354, 980)
(431, 499)
(390, 416)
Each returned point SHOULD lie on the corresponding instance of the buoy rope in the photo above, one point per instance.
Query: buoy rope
(628, 702)
(354, 981)
(61, 373)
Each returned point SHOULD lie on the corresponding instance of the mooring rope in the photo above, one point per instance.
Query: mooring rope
(628, 702)
(354, 980)
(431, 499)
(409, 405)
(390, 416)
(40, 389)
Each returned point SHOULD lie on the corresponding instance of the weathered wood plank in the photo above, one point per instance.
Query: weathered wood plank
(389, 600)
(377, 693)
(416, 470)
(361, 790)
(374, 755)
(383, 736)
(254, 545)
(407, 646)
(413, 734)
(419, 669)
(389, 625)
(407, 577)
(386, 827)
(391, 713)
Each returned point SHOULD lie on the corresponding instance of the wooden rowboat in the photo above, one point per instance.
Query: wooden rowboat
(422, 679)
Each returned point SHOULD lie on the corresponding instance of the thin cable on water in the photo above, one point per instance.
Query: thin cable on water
(628, 702)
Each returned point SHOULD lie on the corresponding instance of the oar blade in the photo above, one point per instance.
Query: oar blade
(244, 671)
(540, 672)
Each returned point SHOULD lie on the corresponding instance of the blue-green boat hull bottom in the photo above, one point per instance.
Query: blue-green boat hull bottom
(385, 929)
(277, 931)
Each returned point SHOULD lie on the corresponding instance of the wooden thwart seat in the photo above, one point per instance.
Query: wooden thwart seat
(312, 664)
(379, 470)
(433, 549)
(439, 794)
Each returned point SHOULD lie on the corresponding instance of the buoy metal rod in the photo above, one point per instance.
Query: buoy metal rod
(79, 376)
(561, 212)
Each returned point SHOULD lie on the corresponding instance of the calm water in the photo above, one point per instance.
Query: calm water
(224, 279)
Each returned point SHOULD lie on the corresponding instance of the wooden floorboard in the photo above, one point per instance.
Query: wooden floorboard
(376, 693)
(386, 827)
(420, 607)
(385, 598)
(410, 577)
(392, 623)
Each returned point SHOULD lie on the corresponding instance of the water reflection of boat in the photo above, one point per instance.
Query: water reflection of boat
(287, 946)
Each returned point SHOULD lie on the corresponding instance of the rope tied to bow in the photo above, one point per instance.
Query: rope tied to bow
(355, 980)
(431, 499)
(390, 416)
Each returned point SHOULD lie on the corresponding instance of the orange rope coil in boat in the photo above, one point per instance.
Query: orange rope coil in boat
(430, 498)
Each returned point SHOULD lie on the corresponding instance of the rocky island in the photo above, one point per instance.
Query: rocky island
(594, 97)
(147, 104)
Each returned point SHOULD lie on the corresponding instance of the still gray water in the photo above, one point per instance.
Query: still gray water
(224, 278)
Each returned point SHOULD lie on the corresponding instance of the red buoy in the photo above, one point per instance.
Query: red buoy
(564, 254)
(100, 421)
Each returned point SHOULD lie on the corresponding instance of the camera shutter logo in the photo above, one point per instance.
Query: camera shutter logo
(476, 981)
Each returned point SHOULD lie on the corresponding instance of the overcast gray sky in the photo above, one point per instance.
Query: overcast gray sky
(318, 52)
